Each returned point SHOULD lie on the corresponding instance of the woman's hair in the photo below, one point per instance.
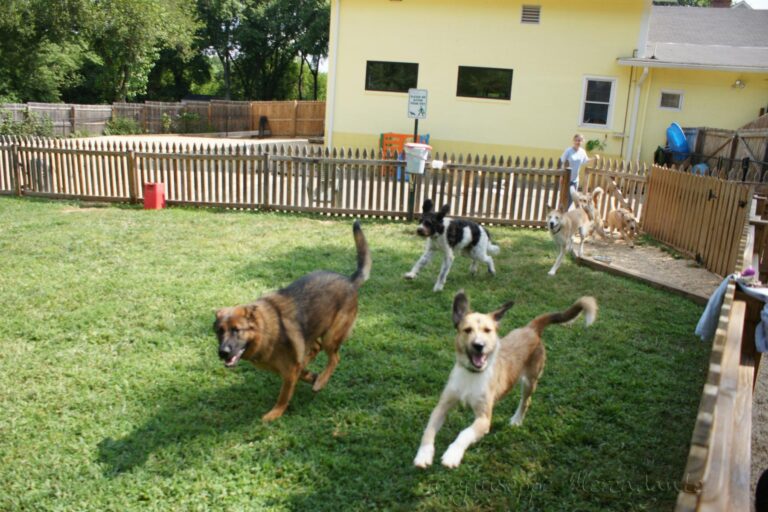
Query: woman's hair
(580, 136)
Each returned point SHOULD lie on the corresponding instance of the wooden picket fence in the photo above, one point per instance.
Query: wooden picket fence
(699, 216)
(268, 177)
(630, 177)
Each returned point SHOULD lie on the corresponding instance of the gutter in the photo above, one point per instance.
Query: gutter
(654, 63)
(331, 98)
(633, 120)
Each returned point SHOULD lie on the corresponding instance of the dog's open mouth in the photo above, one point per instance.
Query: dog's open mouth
(478, 360)
(232, 361)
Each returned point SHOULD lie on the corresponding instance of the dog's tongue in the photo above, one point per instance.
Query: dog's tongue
(232, 361)
(478, 360)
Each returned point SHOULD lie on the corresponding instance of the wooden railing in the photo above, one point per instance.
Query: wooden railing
(717, 473)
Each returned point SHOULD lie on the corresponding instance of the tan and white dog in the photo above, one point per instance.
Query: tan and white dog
(487, 368)
(624, 221)
(582, 220)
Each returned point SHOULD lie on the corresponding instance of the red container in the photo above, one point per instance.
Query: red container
(154, 196)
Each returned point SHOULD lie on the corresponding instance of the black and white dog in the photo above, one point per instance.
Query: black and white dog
(447, 235)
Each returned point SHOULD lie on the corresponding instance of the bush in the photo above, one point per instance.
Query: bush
(122, 126)
(31, 124)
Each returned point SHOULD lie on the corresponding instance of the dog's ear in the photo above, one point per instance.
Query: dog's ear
(427, 206)
(444, 211)
(499, 313)
(221, 313)
(460, 307)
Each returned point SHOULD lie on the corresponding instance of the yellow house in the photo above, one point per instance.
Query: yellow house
(509, 77)
(699, 68)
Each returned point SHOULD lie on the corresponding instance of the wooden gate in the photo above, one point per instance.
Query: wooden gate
(700, 216)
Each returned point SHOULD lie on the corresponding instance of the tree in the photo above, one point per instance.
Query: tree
(313, 42)
(220, 21)
(42, 48)
(270, 36)
(127, 38)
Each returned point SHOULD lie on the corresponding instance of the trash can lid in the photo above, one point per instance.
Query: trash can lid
(417, 145)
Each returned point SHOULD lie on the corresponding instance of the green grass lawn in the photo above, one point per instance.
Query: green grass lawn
(112, 396)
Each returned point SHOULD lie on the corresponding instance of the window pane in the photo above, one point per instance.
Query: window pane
(490, 83)
(595, 113)
(670, 100)
(391, 76)
(598, 90)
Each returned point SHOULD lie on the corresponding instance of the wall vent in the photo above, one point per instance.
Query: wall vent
(531, 14)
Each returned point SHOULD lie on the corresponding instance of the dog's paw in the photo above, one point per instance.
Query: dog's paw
(272, 415)
(452, 457)
(551, 272)
(409, 276)
(516, 420)
(437, 288)
(424, 456)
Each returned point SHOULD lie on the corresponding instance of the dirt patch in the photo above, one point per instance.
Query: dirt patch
(660, 265)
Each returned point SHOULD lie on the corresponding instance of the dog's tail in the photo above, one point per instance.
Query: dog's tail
(492, 247)
(596, 195)
(586, 304)
(363, 257)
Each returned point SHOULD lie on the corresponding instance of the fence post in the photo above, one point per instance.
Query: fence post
(72, 119)
(133, 179)
(295, 117)
(564, 188)
(15, 164)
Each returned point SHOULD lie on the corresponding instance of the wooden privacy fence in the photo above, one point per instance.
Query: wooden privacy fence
(283, 118)
(745, 149)
(699, 216)
(502, 191)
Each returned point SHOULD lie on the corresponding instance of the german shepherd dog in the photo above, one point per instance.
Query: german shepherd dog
(284, 331)
(487, 368)
(447, 235)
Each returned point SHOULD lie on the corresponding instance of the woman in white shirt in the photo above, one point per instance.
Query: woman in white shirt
(573, 158)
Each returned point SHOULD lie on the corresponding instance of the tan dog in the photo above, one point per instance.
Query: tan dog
(581, 220)
(285, 330)
(487, 368)
(624, 222)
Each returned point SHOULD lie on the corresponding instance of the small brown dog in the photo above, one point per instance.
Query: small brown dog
(581, 220)
(284, 331)
(624, 221)
(487, 368)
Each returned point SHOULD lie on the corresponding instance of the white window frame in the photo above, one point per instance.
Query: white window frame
(670, 91)
(611, 101)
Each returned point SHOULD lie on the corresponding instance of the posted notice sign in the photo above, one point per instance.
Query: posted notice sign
(417, 103)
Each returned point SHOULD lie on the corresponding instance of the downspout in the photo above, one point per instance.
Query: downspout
(633, 119)
(331, 108)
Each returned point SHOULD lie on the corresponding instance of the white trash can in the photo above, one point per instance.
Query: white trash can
(415, 157)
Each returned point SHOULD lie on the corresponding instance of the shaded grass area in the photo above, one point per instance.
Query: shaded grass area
(113, 397)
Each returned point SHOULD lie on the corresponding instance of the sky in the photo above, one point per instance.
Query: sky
(758, 4)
